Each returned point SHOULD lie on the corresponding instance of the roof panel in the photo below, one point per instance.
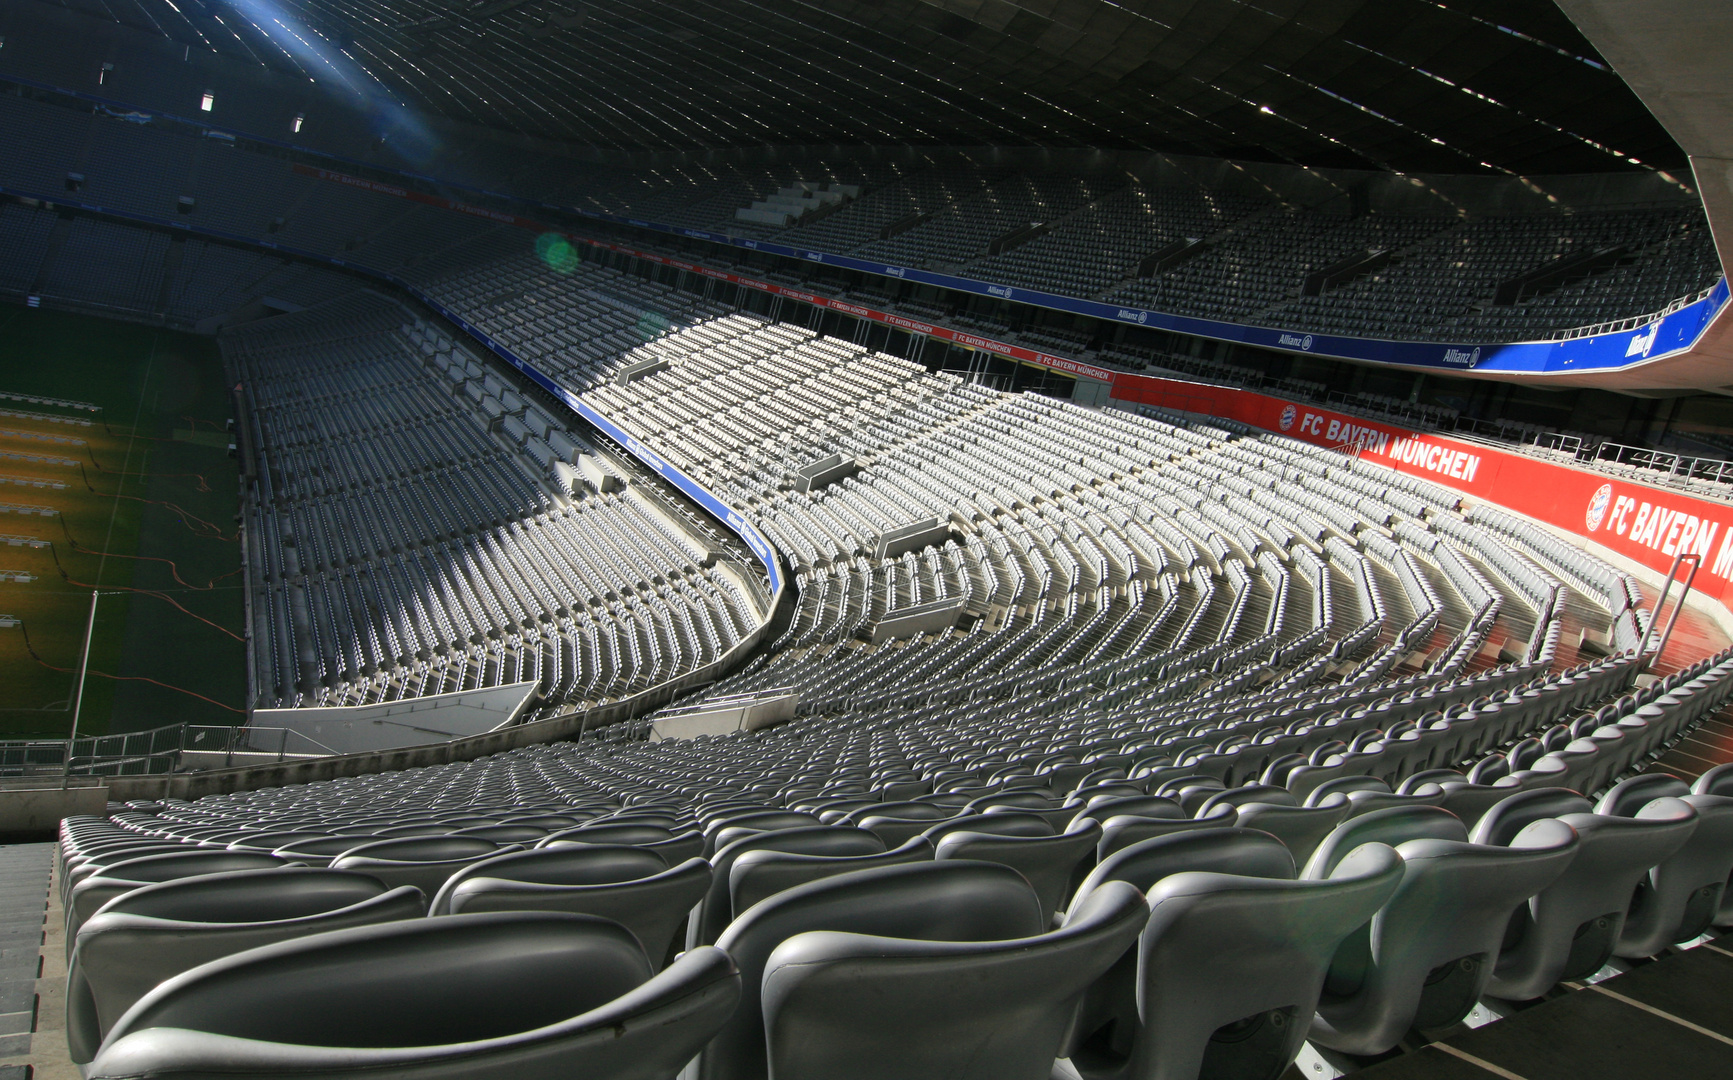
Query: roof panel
(1507, 82)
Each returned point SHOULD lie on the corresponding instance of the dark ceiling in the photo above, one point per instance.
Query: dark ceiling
(1410, 85)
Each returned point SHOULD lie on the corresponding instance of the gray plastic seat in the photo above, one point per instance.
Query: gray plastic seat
(1719, 781)
(1052, 865)
(762, 819)
(1393, 826)
(853, 1006)
(927, 901)
(271, 841)
(1569, 929)
(678, 848)
(505, 834)
(713, 913)
(759, 875)
(1301, 828)
(1112, 1001)
(1120, 832)
(90, 865)
(1148, 806)
(897, 823)
(1221, 850)
(509, 996)
(144, 937)
(124, 876)
(320, 851)
(629, 885)
(1681, 897)
(422, 861)
(1426, 957)
(999, 824)
(1229, 971)
(613, 832)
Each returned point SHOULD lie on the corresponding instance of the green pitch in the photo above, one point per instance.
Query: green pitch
(146, 499)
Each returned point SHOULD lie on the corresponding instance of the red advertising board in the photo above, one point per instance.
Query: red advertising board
(1644, 523)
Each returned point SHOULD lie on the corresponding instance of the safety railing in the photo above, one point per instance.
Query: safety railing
(1680, 466)
(174, 748)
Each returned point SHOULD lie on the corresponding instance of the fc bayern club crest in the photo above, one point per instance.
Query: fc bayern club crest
(1288, 415)
(1598, 507)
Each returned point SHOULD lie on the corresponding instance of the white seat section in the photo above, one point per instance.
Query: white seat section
(415, 538)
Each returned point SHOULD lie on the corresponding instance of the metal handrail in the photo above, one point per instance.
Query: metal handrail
(1717, 470)
(1614, 326)
(158, 750)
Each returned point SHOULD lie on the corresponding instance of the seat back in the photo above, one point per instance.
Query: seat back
(929, 901)
(1393, 826)
(1570, 929)
(143, 937)
(653, 907)
(1053, 865)
(1717, 781)
(1629, 796)
(1228, 949)
(758, 875)
(1427, 956)
(851, 1006)
(1223, 850)
(480, 995)
(999, 824)
(1300, 828)
(1514, 813)
(128, 874)
(1120, 832)
(629, 833)
(713, 913)
(1682, 895)
(1147, 806)
(563, 864)
(425, 862)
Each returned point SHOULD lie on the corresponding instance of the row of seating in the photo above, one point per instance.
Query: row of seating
(1214, 948)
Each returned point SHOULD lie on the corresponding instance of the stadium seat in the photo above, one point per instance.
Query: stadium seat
(503, 995)
(142, 938)
(631, 886)
(927, 901)
(1569, 929)
(1427, 956)
(848, 1005)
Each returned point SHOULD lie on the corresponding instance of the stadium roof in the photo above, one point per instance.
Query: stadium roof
(1500, 86)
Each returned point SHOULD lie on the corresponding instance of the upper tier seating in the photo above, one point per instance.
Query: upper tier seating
(416, 530)
(1254, 255)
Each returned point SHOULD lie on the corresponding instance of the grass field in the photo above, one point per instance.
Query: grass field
(147, 514)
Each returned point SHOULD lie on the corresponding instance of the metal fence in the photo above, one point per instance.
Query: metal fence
(161, 750)
(1680, 466)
